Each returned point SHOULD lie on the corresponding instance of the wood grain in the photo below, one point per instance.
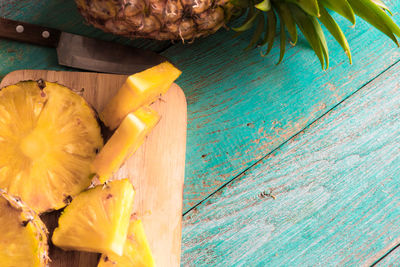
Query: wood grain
(156, 169)
(330, 196)
(242, 106)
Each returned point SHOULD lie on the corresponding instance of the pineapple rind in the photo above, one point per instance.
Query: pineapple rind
(23, 243)
(168, 20)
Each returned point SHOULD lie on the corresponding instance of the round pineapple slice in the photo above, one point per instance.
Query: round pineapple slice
(48, 138)
(23, 239)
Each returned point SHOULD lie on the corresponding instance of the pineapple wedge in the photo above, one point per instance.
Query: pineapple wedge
(140, 89)
(97, 220)
(49, 137)
(137, 251)
(129, 136)
(23, 239)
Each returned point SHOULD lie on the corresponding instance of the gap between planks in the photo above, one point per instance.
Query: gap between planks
(386, 255)
(287, 140)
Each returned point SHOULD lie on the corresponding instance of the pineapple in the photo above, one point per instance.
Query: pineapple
(186, 19)
(137, 251)
(129, 136)
(49, 137)
(23, 239)
(97, 220)
(140, 89)
(162, 20)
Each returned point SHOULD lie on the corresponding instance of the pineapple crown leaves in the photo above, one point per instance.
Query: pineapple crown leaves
(308, 15)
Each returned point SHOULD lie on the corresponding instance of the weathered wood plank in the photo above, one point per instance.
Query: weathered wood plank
(334, 193)
(242, 106)
(60, 14)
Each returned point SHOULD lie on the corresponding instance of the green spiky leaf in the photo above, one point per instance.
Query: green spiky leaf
(248, 23)
(283, 39)
(324, 44)
(335, 30)
(311, 29)
(382, 5)
(309, 6)
(265, 5)
(307, 15)
(271, 31)
(287, 18)
(258, 32)
(375, 16)
(342, 7)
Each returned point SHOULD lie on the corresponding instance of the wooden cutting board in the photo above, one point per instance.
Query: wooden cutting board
(156, 169)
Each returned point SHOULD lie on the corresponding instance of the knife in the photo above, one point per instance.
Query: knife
(82, 52)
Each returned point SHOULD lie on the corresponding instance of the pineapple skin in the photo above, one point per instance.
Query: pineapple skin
(137, 251)
(140, 89)
(32, 233)
(161, 20)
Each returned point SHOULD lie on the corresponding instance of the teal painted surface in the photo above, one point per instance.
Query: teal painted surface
(52, 13)
(335, 187)
(241, 106)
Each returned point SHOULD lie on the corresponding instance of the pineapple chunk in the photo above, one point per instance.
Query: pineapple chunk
(97, 220)
(49, 136)
(23, 239)
(140, 89)
(137, 251)
(129, 136)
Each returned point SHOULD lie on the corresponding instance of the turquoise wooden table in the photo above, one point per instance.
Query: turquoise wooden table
(286, 165)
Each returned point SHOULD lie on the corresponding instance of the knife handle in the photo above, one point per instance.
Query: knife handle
(29, 33)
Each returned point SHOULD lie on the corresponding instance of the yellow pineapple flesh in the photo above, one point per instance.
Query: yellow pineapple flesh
(23, 239)
(49, 137)
(137, 251)
(140, 89)
(129, 136)
(97, 220)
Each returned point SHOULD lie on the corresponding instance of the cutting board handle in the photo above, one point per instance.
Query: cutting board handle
(29, 33)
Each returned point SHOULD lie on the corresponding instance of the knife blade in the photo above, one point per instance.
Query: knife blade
(82, 52)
